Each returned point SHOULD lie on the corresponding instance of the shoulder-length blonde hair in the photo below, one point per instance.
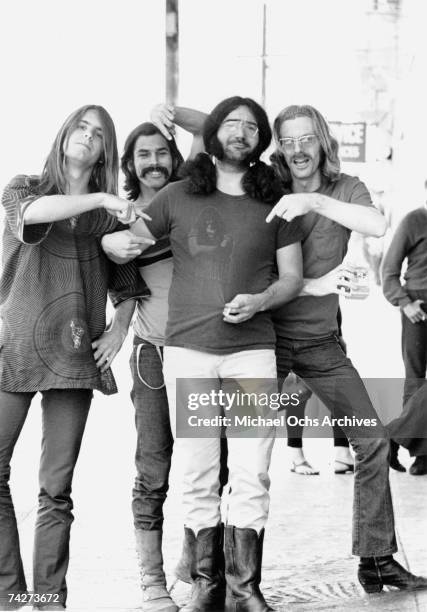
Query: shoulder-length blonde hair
(105, 172)
(329, 165)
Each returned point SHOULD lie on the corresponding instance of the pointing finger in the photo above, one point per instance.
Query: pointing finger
(271, 215)
(141, 240)
(143, 215)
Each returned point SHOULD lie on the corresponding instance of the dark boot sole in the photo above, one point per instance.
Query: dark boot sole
(378, 587)
(249, 605)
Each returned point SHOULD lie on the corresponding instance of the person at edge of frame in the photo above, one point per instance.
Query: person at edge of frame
(343, 462)
(150, 161)
(329, 205)
(53, 294)
(410, 243)
(409, 429)
(223, 270)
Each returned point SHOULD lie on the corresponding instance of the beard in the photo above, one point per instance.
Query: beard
(238, 152)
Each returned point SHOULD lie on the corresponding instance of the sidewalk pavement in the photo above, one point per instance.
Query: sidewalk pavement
(307, 561)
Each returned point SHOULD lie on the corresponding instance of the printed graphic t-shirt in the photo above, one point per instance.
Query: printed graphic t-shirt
(221, 247)
(324, 246)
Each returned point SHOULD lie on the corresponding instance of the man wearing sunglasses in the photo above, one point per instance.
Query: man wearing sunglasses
(330, 205)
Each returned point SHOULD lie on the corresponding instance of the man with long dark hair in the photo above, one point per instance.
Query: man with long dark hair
(149, 162)
(219, 327)
(330, 204)
(53, 294)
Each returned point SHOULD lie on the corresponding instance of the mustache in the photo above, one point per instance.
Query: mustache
(155, 168)
(239, 140)
(301, 156)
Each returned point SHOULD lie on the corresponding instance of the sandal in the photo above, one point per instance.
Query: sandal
(304, 469)
(348, 468)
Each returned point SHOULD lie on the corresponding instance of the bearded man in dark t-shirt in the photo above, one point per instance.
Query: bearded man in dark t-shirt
(219, 327)
(331, 204)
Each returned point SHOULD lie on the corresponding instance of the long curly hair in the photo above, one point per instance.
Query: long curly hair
(131, 184)
(329, 164)
(105, 172)
(259, 180)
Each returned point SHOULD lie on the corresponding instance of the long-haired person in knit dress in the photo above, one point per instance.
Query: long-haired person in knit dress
(53, 295)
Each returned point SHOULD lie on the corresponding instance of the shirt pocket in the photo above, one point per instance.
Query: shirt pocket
(328, 241)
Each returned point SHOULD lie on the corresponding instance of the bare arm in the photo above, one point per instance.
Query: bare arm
(338, 280)
(123, 246)
(289, 263)
(364, 219)
(166, 116)
(287, 287)
(110, 342)
(190, 120)
(48, 209)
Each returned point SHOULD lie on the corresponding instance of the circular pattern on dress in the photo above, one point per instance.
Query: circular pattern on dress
(65, 244)
(62, 340)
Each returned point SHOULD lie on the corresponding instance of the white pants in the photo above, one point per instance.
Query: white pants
(248, 458)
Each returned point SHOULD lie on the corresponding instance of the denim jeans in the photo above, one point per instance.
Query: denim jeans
(295, 432)
(154, 436)
(64, 414)
(414, 350)
(331, 376)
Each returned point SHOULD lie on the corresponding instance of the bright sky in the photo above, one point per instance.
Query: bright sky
(306, 55)
(59, 54)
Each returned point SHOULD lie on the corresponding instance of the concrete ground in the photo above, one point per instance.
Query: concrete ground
(307, 563)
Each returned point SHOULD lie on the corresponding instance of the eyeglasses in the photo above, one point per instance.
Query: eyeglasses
(305, 142)
(249, 127)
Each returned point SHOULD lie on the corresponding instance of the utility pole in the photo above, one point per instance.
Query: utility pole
(172, 48)
(264, 55)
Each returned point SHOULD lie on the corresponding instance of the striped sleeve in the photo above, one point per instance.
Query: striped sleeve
(17, 196)
(126, 283)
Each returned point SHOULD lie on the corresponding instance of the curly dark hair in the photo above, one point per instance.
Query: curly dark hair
(131, 184)
(259, 180)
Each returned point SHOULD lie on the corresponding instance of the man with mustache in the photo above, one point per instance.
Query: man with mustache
(149, 162)
(331, 204)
